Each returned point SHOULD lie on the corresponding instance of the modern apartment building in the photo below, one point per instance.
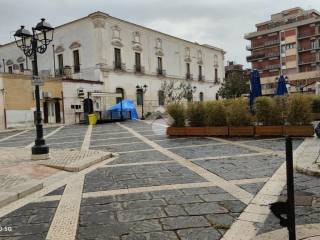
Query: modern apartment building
(289, 44)
(122, 55)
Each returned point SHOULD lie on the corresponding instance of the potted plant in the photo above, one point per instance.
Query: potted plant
(316, 108)
(177, 112)
(299, 116)
(239, 118)
(196, 119)
(269, 113)
(216, 119)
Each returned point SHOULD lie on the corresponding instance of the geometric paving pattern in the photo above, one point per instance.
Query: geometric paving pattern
(146, 193)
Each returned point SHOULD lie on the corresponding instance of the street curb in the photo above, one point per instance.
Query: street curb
(306, 155)
(20, 191)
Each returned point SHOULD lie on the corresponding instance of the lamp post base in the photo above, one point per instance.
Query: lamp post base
(40, 152)
(142, 118)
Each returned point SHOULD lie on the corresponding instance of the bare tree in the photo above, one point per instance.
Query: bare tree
(175, 92)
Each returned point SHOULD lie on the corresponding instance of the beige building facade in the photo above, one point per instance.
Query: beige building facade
(60, 100)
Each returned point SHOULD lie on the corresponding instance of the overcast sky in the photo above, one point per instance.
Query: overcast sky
(220, 23)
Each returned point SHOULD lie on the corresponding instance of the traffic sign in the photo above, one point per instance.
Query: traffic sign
(37, 81)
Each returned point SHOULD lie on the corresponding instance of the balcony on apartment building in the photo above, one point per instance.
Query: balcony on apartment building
(117, 66)
(201, 78)
(139, 69)
(269, 43)
(287, 21)
(189, 76)
(161, 72)
(272, 67)
(313, 60)
(309, 47)
(261, 56)
(303, 35)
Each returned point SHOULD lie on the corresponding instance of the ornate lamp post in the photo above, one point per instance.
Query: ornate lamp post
(143, 90)
(31, 44)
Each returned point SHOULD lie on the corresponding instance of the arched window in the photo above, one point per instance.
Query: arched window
(121, 91)
(139, 97)
(161, 97)
(201, 96)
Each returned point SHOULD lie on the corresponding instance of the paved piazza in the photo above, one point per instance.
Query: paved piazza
(157, 188)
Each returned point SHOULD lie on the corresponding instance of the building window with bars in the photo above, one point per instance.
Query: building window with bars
(138, 62)
(160, 65)
(117, 58)
(60, 64)
(76, 61)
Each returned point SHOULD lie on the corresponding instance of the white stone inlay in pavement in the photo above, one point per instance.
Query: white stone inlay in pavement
(14, 135)
(196, 145)
(249, 180)
(136, 164)
(46, 136)
(233, 189)
(267, 195)
(147, 189)
(65, 222)
(231, 156)
(86, 141)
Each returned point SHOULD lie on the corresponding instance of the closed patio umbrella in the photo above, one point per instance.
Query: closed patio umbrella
(281, 86)
(255, 86)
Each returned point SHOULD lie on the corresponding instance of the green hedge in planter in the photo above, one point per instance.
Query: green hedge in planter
(215, 114)
(196, 114)
(299, 110)
(238, 112)
(178, 113)
(268, 111)
(316, 104)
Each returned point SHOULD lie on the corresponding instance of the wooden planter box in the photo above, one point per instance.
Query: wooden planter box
(316, 116)
(241, 131)
(176, 131)
(195, 131)
(266, 131)
(217, 131)
(299, 131)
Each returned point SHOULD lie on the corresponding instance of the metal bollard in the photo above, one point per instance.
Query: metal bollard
(287, 208)
(290, 190)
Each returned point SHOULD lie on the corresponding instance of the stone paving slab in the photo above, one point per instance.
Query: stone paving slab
(104, 179)
(29, 222)
(160, 214)
(204, 151)
(274, 144)
(140, 157)
(241, 168)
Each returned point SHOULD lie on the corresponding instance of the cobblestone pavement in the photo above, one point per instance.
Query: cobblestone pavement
(157, 188)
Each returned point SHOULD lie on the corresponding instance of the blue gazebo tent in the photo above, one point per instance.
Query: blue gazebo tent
(125, 105)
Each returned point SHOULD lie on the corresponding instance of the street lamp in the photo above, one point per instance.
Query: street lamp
(143, 90)
(190, 91)
(31, 44)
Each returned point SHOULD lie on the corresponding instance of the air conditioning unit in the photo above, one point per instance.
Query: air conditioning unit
(80, 92)
(46, 94)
